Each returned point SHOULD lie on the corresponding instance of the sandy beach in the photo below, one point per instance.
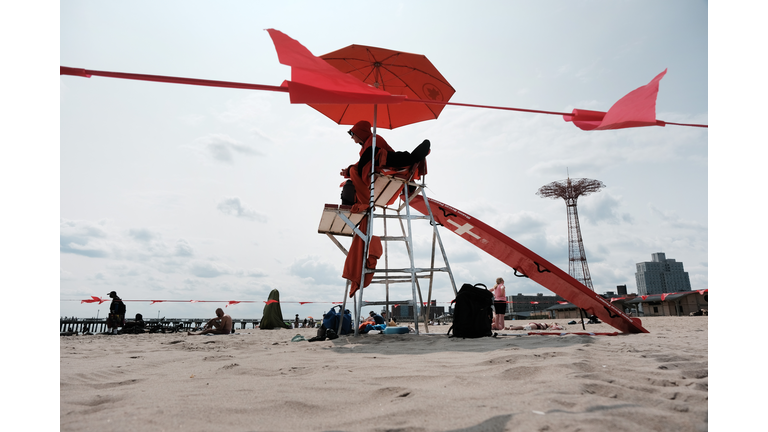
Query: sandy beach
(259, 380)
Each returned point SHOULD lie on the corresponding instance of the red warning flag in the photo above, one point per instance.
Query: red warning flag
(636, 109)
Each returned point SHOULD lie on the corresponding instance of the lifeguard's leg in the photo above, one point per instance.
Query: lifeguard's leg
(406, 159)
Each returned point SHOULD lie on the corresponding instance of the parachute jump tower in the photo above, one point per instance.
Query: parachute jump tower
(570, 190)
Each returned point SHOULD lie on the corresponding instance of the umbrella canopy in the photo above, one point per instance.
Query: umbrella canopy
(395, 72)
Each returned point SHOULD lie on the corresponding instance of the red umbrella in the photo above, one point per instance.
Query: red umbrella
(395, 72)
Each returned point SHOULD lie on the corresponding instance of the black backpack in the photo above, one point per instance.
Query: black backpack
(473, 313)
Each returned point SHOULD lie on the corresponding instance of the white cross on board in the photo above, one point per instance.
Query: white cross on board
(464, 229)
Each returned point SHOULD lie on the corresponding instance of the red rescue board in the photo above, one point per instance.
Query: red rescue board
(528, 263)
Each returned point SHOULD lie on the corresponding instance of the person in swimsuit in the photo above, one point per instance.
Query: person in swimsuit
(222, 324)
(499, 304)
(536, 326)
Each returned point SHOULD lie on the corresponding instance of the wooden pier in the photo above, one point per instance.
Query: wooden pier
(151, 325)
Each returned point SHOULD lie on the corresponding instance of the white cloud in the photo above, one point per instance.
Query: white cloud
(604, 207)
(210, 269)
(671, 219)
(318, 271)
(233, 207)
(183, 248)
(142, 234)
(83, 238)
(222, 148)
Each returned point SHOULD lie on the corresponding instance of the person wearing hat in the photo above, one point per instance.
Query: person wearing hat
(378, 323)
(356, 189)
(378, 319)
(116, 317)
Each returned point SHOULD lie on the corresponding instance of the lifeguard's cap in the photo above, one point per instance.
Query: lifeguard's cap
(361, 129)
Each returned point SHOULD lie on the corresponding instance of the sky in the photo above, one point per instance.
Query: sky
(177, 192)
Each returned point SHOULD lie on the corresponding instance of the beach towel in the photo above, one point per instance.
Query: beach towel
(353, 264)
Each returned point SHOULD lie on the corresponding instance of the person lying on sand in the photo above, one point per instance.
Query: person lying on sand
(222, 324)
(536, 326)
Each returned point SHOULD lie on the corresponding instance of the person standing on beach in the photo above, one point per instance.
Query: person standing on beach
(116, 317)
(222, 324)
(499, 304)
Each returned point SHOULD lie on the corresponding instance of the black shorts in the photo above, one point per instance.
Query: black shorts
(500, 307)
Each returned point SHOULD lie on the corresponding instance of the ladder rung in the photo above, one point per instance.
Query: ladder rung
(407, 270)
(380, 216)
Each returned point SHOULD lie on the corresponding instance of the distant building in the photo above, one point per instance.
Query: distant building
(403, 311)
(677, 304)
(661, 276)
(527, 304)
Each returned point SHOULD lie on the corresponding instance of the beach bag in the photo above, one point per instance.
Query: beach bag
(331, 320)
(473, 313)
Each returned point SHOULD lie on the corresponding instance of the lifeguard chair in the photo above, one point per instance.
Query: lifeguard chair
(391, 195)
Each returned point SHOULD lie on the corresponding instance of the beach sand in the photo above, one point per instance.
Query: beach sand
(258, 380)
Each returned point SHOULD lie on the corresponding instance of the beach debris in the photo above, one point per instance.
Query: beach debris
(298, 338)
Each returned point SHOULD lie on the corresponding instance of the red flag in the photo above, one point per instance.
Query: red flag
(93, 299)
(636, 109)
(313, 80)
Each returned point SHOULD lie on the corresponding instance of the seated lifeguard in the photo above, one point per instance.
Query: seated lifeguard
(355, 190)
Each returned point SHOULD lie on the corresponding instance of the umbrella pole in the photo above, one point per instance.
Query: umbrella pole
(410, 255)
(388, 316)
(343, 307)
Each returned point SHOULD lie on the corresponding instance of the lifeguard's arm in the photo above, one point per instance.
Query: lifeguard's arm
(365, 158)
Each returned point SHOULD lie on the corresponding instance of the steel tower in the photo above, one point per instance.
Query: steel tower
(570, 190)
